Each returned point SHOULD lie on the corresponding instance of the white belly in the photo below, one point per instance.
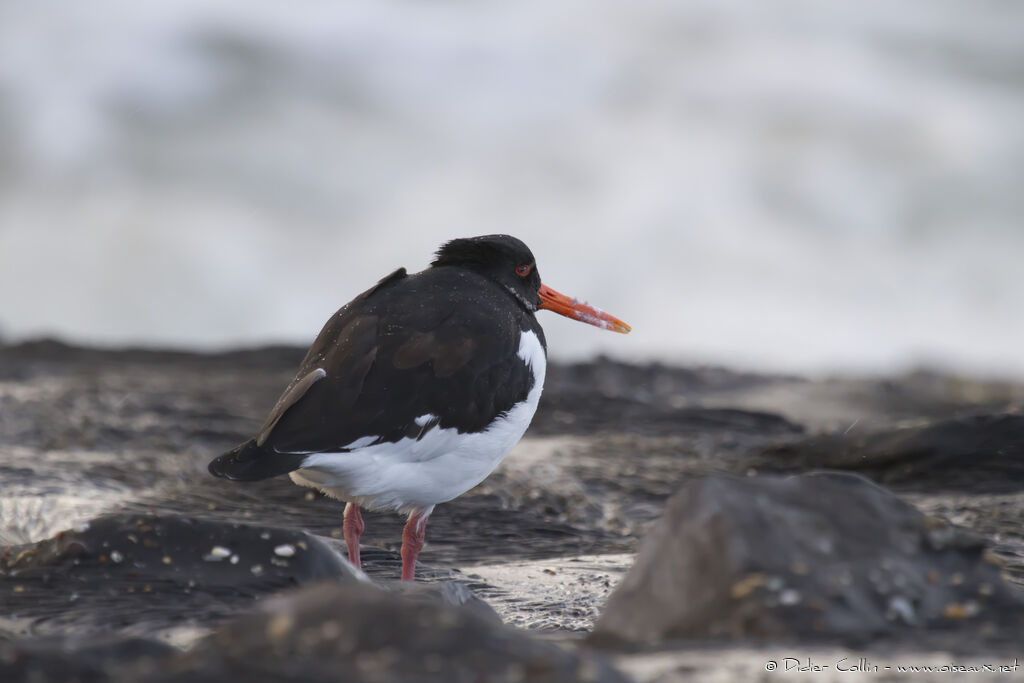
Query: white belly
(440, 466)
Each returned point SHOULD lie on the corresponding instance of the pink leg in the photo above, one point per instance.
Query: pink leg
(412, 540)
(353, 528)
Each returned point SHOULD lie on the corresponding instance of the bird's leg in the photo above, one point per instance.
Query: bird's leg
(412, 540)
(353, 527)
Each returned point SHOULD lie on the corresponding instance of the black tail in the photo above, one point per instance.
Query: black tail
(249, 462)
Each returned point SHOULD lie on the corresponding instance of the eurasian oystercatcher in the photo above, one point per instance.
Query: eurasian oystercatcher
(416, 389)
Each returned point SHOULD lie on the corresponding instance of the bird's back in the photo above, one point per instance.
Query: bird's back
(436, 350)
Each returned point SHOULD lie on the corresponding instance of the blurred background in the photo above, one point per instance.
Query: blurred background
(768, 184)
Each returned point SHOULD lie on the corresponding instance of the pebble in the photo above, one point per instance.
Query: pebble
(789, 597)
(900, 607)
(217, 553)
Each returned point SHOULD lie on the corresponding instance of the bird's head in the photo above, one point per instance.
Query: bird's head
(510, 263)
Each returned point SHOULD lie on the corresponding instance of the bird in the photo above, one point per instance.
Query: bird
(416, 390)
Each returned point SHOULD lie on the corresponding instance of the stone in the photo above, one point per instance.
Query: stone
(123, 570)
(92, 660)
(978, 453)
(358, 633)
(826, 556)
(446, 593)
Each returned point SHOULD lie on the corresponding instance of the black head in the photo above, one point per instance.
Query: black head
(502, 258)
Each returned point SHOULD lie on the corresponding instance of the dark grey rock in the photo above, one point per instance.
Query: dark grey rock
(68, 660)
(125, 570)
(444, 593)
(827, 556)
(975, 453)
(652, 399)
(361, 634)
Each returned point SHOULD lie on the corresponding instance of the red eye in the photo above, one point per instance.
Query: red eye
(523, 271)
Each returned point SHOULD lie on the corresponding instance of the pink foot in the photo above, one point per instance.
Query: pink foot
(353, 528)
(412, 540)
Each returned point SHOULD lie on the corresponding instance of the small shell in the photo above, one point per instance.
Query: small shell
(217, 553)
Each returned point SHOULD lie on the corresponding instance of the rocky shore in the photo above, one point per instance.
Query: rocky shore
(656, 524)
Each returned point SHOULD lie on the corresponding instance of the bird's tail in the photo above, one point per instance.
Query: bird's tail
(250, 462)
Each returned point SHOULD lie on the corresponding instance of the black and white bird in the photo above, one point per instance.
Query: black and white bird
(416, 389)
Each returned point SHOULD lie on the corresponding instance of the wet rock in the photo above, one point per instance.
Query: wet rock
(828, 556)
(359, 633)
(59, 660)
(86, 431)
(445, 593)
(638, 400)
(976, 453)
(123, 570)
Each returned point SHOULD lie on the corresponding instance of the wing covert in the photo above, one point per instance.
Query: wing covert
(386, 363)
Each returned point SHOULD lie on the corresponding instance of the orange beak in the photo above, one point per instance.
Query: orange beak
(578, 310)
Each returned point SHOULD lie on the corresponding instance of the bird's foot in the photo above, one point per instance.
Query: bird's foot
(413, 536)
(352, 527)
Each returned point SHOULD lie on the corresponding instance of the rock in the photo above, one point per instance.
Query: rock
(652, 399)
(121, 570)
(444, 593)
(84, 432)
(59, 660)
(359, 633)
(828, 556)
(976, 453)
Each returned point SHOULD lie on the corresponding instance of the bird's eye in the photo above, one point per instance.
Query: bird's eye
(523, 270)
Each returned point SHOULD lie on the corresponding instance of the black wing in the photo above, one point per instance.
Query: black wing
(343, 343)
(423, 345)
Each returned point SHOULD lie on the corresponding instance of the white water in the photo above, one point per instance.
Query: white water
(775, 184)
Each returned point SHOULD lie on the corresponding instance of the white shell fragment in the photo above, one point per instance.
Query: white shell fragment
(217, 553)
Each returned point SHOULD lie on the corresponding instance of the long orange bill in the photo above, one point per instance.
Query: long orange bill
(579, 310)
